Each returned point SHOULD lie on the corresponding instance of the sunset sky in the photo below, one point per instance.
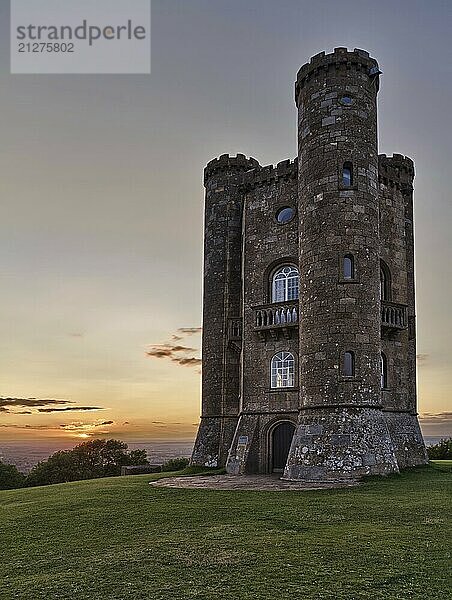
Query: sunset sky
(102, 203)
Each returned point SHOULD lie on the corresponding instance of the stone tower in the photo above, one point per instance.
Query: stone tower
(309, 343)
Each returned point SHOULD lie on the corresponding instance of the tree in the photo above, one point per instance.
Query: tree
(101, 458)
(89, 460)
(138, 457)
(58, 468)
(441, 451)
(10, 477)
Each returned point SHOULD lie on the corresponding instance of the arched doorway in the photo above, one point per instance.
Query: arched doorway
(281, 438)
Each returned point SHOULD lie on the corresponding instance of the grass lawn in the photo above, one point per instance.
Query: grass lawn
(121, 538)
(443, 463)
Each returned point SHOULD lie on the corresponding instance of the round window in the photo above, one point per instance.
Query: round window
(346, 100)
(284, 215)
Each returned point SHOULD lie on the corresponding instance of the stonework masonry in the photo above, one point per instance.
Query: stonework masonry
(309, 332)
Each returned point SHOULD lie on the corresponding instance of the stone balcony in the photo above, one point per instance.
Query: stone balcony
(394, 317)
(279, 319)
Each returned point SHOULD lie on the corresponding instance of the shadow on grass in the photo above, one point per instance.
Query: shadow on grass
(187, 472)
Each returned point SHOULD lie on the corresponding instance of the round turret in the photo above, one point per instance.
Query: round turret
(339, 335)
(338, 182)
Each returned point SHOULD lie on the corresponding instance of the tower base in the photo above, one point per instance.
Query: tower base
(244, 439)
(407, 439)
(213, 441)
(340, 443)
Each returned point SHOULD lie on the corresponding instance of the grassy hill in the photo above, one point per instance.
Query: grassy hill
(120, 538)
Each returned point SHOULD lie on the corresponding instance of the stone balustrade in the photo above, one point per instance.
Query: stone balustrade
(393, 315)
(279, 314)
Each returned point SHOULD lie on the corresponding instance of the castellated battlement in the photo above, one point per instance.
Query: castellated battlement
(248, 172)
(341, 58)
(286, 169)
(396, 170)
(226, 164)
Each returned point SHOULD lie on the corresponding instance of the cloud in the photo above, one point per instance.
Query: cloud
(422, 358)
(7, 403)
(90, 428)
(185, 356)
(37, 427)
(80, 426)
(189, 330)
(41, 406)
(444, 417)
(31, 402)
(167, 350)
(66, 409)
(436, 424)
(190, 362)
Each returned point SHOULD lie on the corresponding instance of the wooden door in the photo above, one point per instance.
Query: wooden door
(281, 439)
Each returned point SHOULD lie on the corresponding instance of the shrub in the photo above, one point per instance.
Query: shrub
(175, 464)
(441, 451)
(10, 477)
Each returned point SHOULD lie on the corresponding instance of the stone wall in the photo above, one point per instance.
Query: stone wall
(267, 245)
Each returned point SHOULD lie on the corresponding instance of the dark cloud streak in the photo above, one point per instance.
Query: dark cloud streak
(444, 417)
(30, 402)
(184, 356)
(189, 330)
(69, 408)
(422, 359)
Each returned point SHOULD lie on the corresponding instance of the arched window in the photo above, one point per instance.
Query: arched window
(348, 267)
(348, 364)
(347, 174)
(385, 282)
(283, 370)
(384, 371)
(285, 284)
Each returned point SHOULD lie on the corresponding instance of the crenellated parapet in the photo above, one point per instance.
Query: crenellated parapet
(226, 165)
(396, 171)
(341, 59)
(284, 170)
(247, 172)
